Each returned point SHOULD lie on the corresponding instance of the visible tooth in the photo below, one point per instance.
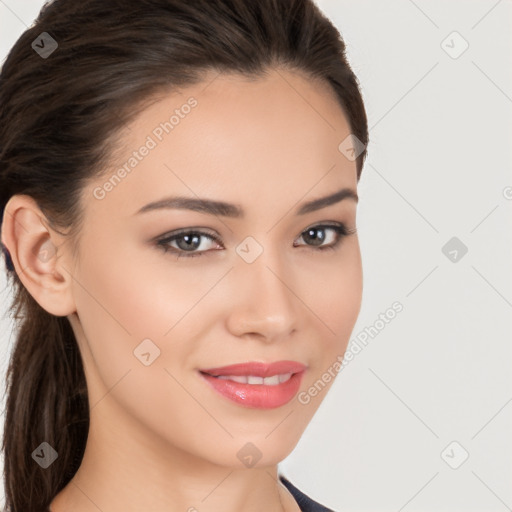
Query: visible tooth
(253, 379)
(242, 379)
(271, 381)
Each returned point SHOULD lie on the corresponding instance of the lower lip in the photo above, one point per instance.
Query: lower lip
(257, 396)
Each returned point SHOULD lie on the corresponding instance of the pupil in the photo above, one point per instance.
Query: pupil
(188, 239)
(317, 240)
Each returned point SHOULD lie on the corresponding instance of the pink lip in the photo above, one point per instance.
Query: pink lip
(258, 396)
(257, 369)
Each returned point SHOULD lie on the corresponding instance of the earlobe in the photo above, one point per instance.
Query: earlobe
(34, 251)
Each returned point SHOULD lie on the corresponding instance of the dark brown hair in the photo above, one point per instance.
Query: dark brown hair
(60, 119)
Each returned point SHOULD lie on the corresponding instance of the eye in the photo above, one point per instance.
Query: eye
(189, 241)
(316, 234)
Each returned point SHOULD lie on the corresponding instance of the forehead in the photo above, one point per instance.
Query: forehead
(230, 138)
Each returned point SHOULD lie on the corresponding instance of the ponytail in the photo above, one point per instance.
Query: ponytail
(46, 417)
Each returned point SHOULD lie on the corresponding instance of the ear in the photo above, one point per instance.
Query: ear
(39, 255)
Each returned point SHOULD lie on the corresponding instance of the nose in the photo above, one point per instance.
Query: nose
(264, 304)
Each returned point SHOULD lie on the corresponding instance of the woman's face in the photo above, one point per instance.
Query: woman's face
(256, 286)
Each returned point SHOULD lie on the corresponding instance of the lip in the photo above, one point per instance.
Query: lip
(257, 369)
(257, 396)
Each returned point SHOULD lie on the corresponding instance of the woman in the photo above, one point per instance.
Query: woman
(178, 196)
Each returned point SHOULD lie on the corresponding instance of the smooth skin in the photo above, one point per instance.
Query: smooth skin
(160, 438)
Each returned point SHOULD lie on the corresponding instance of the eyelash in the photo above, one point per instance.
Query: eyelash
(340, 229)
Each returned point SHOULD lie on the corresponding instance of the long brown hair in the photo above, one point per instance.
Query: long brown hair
(60, 115)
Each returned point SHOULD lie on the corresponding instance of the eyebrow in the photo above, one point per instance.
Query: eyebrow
(224, 209)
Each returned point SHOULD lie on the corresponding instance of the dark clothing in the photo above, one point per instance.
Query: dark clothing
(305, 503)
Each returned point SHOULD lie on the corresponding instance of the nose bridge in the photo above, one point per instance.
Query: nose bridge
(265, 304)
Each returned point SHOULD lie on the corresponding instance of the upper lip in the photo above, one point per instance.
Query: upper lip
(257, 369)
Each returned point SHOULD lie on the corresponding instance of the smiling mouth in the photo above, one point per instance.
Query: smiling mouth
(268, 390)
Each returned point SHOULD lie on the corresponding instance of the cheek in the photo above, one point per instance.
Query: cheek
(336, 303)
(142, 295)
(129, 308)
(338, 295)
(126, 310)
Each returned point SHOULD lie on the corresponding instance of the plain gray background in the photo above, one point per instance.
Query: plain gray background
(432, 386)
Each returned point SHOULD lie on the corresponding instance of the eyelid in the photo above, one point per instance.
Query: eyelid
(183, 231)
